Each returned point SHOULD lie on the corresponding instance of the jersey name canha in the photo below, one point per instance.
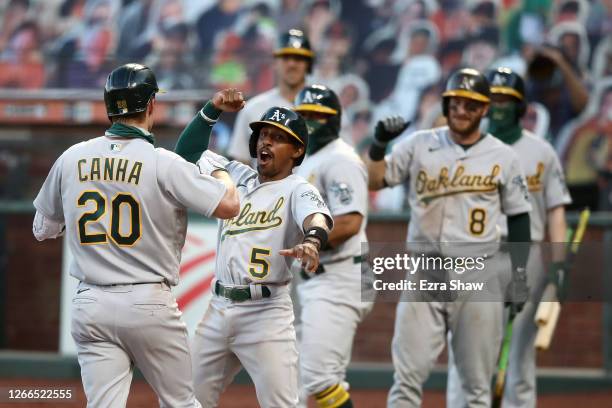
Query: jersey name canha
(124, 206)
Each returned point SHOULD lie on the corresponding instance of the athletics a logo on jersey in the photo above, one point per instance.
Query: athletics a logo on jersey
(115, 147)
(278, 116)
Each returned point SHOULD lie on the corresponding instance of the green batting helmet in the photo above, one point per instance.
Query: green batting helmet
(285, 119)
(504, 81)
(129, 89)
(466, 83)
(294, 42)
(320, 99)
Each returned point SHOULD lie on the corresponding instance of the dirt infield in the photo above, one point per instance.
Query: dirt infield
(243, 396)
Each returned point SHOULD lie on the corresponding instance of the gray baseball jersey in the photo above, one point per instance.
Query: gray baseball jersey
(341, 177)
(547, 190)
(270, 219)
(252, 111)
(457, 195)
(545, 180)
(109, 191)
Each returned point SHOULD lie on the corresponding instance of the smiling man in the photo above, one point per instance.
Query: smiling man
(249, 322)
(471, 179)
(293, 60)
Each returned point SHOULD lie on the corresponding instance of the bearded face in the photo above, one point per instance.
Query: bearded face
(464, 115)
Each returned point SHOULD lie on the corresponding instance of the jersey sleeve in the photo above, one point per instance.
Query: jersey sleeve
(514, 191)
(397, 163)
(184, 182)
(305, 201)
(239, 143)
(555, 189)
(49, 199)
(45, 228)
(240, 172)
(346, 188)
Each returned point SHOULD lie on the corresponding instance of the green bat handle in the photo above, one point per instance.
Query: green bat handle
(502, 365)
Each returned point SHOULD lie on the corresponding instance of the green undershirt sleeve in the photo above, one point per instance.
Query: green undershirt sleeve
(194, 139)
(519, 230)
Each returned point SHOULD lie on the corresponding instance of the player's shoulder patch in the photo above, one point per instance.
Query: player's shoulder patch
(342, 192)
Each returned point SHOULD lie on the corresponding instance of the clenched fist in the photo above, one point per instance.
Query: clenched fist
(389, 128)
(228, 100)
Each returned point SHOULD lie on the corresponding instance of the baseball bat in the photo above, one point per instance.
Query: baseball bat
(502, 365)
(549, 308)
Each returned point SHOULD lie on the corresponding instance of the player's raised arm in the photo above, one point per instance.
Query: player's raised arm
(207, 189)
(195, 137)
(213, 164)
(386, 130)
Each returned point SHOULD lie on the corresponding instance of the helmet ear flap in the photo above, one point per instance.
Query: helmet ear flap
(253, 143)
(521, 108)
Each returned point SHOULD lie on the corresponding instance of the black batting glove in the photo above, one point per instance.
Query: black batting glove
(556, 274)
(385, 131)
(389, 128)
(517, 291)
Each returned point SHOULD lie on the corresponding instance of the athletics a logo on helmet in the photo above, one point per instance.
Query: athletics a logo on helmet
(466, 83)
(308, 98)
(277, 116)
(498, 80)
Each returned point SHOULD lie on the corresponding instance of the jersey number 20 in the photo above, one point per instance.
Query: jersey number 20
(115, 221)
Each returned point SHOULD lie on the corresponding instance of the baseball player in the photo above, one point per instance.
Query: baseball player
(548, 195)
(460, 183)
(331, 299)
(122, 204)
(293, 61)
(250, 319)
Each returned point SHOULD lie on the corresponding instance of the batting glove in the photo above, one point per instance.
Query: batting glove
(210, 162)
(556, 274)
(517, 291)
(385, 131)
(389, 128)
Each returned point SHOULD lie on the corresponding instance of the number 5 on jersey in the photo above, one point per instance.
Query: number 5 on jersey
(259, 266)
(119, 200)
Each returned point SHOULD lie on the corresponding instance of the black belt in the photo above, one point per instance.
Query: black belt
(238, 294)
(321, 269)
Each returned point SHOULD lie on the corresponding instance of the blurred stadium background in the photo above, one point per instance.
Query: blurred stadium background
(381, 56)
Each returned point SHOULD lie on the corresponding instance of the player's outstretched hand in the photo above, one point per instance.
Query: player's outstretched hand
(389, 128)
(228, 100)
(305, 252)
